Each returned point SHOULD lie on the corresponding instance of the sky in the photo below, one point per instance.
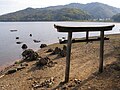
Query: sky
(7, 6)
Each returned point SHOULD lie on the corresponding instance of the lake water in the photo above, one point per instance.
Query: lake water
(43, 31)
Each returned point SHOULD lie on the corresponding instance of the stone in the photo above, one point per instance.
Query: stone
(36, 85)
(52, 79)
(62, 53)
(30, 35)
(30, 55)
(11, 71)
(57, 50)
(71, 85)
(43, 61)
(46, 84)
(19, 42)
(36, 41)
(24, 46)
(77, 81)
(17, 37)
(2, 76)
(23, 64)
(51, 64)
(43, 45)
(18, 62)
(64, 47)
(20, 68)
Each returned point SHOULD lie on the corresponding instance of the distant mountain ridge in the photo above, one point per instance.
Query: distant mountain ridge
(98, 10)
(30, 14)
(72, 11)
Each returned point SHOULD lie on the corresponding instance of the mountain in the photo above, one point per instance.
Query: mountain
(116, 17)
(30, 14)
(73, 11)
(98, 10)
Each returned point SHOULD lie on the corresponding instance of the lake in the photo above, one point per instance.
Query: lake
(43, 31)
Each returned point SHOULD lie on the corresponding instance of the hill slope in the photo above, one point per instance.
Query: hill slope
(73, 11)
(98, 10)
(31, 14)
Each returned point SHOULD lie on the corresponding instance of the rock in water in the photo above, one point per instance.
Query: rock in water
(24, 46)
(30, 35)
(17, 37)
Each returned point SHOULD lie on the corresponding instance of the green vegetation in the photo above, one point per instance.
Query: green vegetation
(29, 14)
(116, 17)
(71, 12)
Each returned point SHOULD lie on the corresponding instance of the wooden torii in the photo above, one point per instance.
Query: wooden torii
(87, 29)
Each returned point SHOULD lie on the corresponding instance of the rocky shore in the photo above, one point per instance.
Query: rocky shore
(45, 69)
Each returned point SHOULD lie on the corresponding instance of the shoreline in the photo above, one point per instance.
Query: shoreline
(83, 71)
(4, 66)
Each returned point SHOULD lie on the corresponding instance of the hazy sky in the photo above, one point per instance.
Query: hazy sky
(7, 6)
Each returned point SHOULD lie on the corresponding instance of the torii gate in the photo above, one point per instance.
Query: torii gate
(87, 29)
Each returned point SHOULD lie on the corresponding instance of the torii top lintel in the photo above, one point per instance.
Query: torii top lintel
(83, 28)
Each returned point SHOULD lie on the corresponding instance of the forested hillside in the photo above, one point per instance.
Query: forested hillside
(30, 14)
(69, 12)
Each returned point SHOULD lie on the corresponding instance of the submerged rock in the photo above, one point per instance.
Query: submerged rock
(30, 35)
(24, 46)
(36, 41)
(13, 30)
(17, 37)
(19, 42)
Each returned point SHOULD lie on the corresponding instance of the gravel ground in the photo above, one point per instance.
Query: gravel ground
(83, 72)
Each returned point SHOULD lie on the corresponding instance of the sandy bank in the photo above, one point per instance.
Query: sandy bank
(83, 72)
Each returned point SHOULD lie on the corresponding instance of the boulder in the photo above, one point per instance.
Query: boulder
(57, 50)
(43, 45)
(62, 53)
(43, 61)
(29, 55)
(64, 47)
